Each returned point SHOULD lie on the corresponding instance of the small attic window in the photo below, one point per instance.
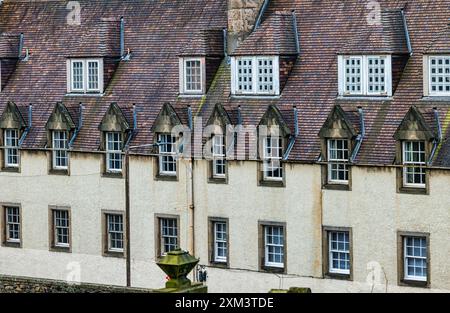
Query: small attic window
(365, 75)
(85, 76)
(192, 76)
(255, 75)
(438, 73)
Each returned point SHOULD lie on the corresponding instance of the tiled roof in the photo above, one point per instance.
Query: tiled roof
(385, 36)
(9, 46)
(275, 36)
(157, 32)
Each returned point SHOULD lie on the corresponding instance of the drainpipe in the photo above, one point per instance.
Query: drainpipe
(361, 136)
(30, 124)
(123, 56)
(261, 14)
(408, 38)
(438, 140)
(127, 197)
(80, 125)
(292, 139)
(225, 43)
(297, 41)
(192, 186)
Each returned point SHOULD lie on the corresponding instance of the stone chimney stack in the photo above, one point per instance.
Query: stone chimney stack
(242, 15)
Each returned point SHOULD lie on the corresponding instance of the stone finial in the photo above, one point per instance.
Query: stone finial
(177, 265)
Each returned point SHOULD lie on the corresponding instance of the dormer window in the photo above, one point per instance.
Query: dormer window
(11, 148)
(192, 76)
(167, 155)
(414, 163)
(219, 155)
(365, 75)
(273, 153)
(438, 80)
(60, 150)
(338, 159)
(113, 152)
(255, 75)
(85, 76)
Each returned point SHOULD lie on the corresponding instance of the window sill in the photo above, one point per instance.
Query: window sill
(276, 270)
(16, 245)
(341, 187)
(272, 183)
(59, 172)
(110, 254)
(413, 191)
(171, 178)
(253, 96)
(338, 276)
(436, 98)
(11, 169)
(364, 98)
(82, 94)
(112, 175)
(217, 180)
(191, 95)
(61, 249)
(414, 283)
(219, 265)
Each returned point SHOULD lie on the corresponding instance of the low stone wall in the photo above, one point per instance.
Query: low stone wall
(10, 284)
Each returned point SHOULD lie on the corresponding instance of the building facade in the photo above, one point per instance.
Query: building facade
(284, 143)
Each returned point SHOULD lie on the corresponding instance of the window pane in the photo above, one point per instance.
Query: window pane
(274, 246)
(265, 75)
(93, 75)
(77, 75)
(169, 235)
(114, 151)
(415, 258)
(115, 232)
(338, 158)
(11, 148)
(245, 75)
(414, 162)
(193, 75)
(353, 79)
(273, 154)
(167, 154)
(339, 252)
(439, 75)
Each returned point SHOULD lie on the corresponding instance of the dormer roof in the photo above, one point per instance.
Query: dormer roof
(388, 36)
(207, 42)
(166, 120)
(12, 117)
(441, 44)
(101, 40)
(417, 125)
(114, 120)
(219, 117)
(60, 119)
(340, 124)
(9, 46)
(273, 117)
(275, 36)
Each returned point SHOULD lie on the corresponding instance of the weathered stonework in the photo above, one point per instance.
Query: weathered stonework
(242, 15)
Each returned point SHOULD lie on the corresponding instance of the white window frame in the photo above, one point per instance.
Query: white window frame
(112, 152)
(9, 224)
(85, 89)
(406, 257)
(331, 269)
(336, 161)
(217, 241)
(183, 73)
(267, 245)
(255, 90)
(272, 157)
(164, 223)
(162, 141)
(219, 155)
(10, 148)
(57, 149)
(428, 76)
(421, 164)
(57, 227)
(110, 231)
(342, 77)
